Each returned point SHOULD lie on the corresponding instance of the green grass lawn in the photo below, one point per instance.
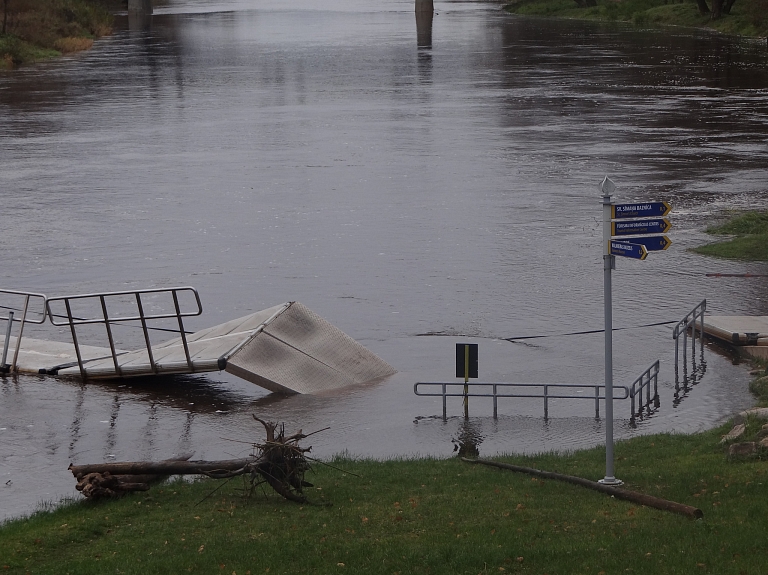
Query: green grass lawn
(425, 516)
(749, 239)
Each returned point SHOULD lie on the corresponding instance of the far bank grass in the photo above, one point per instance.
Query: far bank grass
(747, 17)
(40, 29)
(749, 239)
(425, 516)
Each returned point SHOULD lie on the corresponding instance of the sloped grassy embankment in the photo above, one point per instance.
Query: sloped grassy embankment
(39, 29)
(426, 516)
(748, 239)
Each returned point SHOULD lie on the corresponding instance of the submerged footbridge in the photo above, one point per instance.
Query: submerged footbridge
(286, 348)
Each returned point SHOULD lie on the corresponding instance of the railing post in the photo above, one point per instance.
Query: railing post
(146, 333)
(181, 332)
(74, 338)
(546, 401)
(7, 340)
(445, 411)
(21, 332)
(597, 402)
(495, 403)
(118, 371)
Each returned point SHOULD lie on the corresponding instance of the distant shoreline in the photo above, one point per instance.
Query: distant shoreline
(49, 28)
(746, 18)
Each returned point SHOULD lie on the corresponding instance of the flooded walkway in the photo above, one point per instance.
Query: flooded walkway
(397, 183)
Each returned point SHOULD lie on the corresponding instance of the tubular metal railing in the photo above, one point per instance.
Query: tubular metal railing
(498, 390)
(689, 322)
(643, 382)
(108, 321)
(24, 320)
(682, 327)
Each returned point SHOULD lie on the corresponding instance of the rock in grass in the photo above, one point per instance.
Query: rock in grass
(742, 450)
(759, 412)
(735, 433)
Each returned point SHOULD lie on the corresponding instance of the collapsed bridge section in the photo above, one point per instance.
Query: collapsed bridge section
(286, 348)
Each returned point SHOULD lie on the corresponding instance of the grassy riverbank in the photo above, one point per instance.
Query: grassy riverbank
(39, 29)
(747, 17)
(425, 516)
(748, 241)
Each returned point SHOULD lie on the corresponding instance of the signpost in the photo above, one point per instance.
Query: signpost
(646, 210)
(466, 367)
(628, 250)
(640, 227)
(652, 243)
(628, 247)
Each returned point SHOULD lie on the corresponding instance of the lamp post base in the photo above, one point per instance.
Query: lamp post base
(612, 481)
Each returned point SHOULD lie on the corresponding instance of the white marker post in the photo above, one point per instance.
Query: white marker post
(607, 187)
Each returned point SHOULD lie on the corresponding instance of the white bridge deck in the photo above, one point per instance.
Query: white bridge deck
(286, 349)
(738, 329)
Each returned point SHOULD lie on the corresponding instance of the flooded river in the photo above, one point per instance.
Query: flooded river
(399, 181)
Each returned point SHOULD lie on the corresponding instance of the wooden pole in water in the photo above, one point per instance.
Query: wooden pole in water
(425, 6)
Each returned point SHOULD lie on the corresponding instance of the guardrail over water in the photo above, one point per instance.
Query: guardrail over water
(646, 383)
(104, 318)
(10, 308)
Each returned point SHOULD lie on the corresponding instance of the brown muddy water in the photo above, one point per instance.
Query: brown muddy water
(398, 182)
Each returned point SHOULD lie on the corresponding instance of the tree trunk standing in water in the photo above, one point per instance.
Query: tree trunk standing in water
(425, 6)
(703, 8)
(5, 14)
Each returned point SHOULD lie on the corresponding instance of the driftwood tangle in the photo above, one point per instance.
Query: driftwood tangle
(279, 461)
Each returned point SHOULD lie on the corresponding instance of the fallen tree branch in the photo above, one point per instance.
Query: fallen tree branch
(161, 467)
(633, 496)
(279, 461)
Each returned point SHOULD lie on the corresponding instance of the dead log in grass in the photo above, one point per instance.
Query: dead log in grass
(279, 462)
(633, 496)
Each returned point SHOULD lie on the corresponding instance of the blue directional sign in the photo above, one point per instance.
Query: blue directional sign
(646, 210)
(628, 250)
(640, 227)
(651, 243)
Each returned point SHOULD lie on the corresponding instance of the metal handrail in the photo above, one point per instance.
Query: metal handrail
(644, 382)
(495, 393)
(10, 319)
(108, 321)
(689, 321)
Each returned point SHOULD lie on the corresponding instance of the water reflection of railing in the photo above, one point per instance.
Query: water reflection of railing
(9, 318)
(689, 322)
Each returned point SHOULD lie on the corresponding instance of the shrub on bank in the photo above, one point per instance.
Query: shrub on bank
(36, 29)
(746, 17)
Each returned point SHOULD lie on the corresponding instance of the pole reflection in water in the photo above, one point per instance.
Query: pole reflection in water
(468, 440)
(139, 21)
